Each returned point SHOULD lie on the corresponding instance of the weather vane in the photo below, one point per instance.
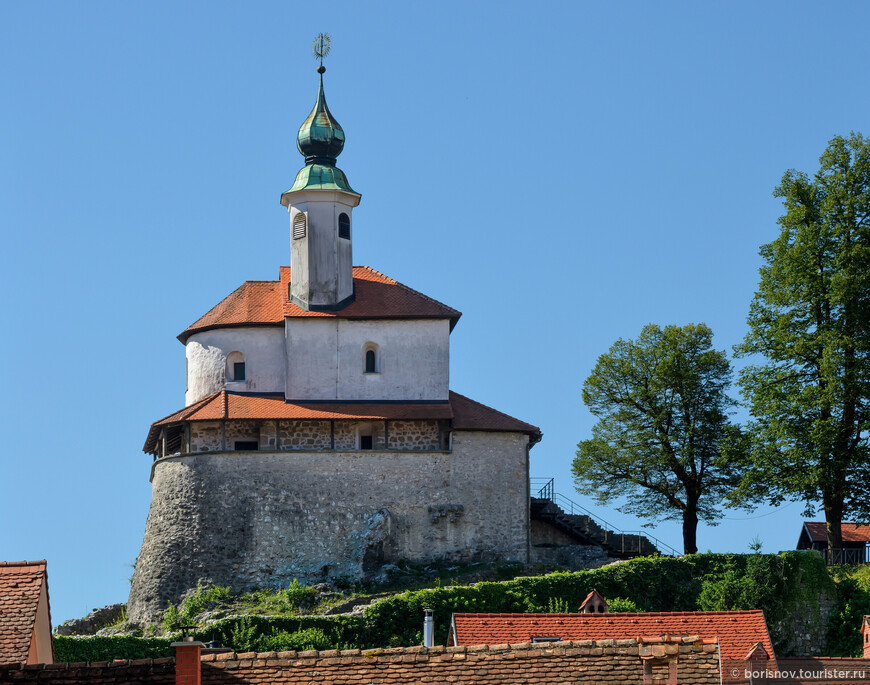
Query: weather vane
(322, 43)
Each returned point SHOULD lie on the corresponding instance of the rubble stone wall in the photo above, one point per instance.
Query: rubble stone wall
(414, 435)
(316, 435)
(261, 519)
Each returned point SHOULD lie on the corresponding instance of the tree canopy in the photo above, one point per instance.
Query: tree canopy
(808, 386)
(663, 438)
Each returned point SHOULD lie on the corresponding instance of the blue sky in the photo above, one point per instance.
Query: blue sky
(562, 173)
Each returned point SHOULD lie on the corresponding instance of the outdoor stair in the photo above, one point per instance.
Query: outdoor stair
(584, 528)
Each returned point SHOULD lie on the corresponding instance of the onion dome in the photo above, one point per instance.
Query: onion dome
(320, 140)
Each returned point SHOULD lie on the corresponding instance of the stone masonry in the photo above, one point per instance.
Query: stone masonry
(317, 435)
(262, 519)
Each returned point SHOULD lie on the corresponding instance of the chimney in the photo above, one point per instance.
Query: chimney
(187, 669)
(428, 629)
(865, 636)
(757, 658)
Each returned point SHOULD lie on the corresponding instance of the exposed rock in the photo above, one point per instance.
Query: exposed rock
(93, 622)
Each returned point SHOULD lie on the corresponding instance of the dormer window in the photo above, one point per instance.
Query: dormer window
(236, 370)
(371, 363)
(344, 226)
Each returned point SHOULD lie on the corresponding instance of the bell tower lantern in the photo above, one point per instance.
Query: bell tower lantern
(320, 204)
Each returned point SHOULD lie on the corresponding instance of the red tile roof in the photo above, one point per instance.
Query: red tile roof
(737, 631)
(469, 415)
(267, 303)
(852, 532)
(466, 414)
(20, 586)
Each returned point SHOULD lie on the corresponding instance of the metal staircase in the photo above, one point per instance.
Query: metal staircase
(588, 529)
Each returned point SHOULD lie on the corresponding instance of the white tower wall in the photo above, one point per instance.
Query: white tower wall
(321, 262)
(208, 372)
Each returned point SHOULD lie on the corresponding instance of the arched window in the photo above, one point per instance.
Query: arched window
(371, 363)
(299, 226)
(344, 226)
(236, 367)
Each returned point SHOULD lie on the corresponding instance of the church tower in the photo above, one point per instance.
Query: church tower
(321, 204)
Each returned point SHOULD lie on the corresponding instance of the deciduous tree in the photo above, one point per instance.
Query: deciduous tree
(663, 439)
(809, 340)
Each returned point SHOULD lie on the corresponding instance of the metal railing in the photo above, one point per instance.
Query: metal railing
(546, 489)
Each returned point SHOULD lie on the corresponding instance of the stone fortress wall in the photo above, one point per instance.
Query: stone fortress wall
(263, 518)
(411, 435)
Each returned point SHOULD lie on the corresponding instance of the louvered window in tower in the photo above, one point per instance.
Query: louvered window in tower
(299, 226)
(344, 226)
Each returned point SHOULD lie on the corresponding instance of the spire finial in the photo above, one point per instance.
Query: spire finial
(322, 43)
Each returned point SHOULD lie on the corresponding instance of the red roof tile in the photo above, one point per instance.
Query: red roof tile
(737, 631)
(466, 414)
(254, 303)
(20, 586)
(852, 532)
(266, 303)
(474, 416)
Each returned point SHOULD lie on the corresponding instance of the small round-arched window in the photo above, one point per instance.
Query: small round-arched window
(371, 363)
(299, 226)
(344, 226)
(236, 367)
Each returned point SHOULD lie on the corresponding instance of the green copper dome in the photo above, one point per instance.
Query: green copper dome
(320, 140)
(321, 137)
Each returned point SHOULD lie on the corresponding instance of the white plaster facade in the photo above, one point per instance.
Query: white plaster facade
(263, 349)
(326, 359)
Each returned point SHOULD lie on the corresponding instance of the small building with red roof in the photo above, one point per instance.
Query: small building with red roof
(320, 436)
(25, 616)
(742, 635)
(856, 542)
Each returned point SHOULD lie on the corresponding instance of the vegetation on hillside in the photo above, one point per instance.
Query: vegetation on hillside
(783, 585)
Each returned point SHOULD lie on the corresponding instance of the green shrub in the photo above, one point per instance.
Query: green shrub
(853, 603)
(296, 595)
(775, 583)
(621, 604)
(194, 603)
(98, 648)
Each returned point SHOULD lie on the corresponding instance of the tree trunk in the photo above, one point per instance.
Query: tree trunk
(833, 527)
(690, 529)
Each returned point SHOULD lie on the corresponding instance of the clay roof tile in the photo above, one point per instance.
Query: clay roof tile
(737, 631)
(267, 303)
(852, 532)
(20, 586)
(465, 413)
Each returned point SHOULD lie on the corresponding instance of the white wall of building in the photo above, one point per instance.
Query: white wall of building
(326, 359)
(263, 351)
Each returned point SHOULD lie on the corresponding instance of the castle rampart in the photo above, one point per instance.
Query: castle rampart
(261, 519)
